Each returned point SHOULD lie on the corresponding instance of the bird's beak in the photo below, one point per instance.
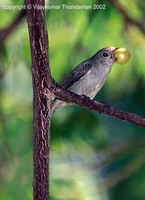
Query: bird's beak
(113, 51)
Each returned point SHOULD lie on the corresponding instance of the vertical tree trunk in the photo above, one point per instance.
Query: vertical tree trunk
(41, 104)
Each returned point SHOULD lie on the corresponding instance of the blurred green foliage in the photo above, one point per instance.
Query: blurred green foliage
(93, 156)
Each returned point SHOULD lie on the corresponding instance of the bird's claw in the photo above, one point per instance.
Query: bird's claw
(88, 98)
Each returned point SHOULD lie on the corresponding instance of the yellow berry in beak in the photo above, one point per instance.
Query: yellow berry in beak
(121, 56)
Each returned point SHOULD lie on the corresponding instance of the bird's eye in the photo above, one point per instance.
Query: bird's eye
(105, 54)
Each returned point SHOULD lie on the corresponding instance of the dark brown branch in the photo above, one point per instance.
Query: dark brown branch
(100, 107)
(6, 32)
(41, 79)
(120, 8)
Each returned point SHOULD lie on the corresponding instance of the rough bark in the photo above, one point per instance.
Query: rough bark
(41, 102)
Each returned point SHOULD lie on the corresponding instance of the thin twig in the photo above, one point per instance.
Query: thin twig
(128, 19)
(6, 32)
(94, 105)
(123, 173)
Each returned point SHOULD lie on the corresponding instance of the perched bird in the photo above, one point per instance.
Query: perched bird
(89, 76)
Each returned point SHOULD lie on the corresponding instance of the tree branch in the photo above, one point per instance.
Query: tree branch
(41, 79)
(94, 105)
(120, 174)
(5, 33)
(120, 8)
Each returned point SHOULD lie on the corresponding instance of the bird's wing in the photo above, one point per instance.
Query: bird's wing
(76, 74)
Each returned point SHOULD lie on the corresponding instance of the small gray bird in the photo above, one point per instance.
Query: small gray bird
(89, 76)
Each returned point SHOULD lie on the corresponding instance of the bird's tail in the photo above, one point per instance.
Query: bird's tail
(57, 104)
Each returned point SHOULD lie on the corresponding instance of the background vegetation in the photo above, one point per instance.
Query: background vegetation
(93, 156)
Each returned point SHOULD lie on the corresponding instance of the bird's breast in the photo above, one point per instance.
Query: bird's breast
(89, 84)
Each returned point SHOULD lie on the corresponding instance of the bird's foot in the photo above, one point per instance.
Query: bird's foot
(105, 104)
(88, 98)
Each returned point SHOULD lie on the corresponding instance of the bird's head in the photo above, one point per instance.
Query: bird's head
(109, 55)
(105, 56)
